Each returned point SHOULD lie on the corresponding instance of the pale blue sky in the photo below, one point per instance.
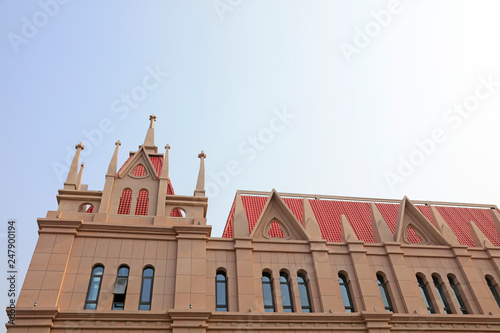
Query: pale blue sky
(358, 101)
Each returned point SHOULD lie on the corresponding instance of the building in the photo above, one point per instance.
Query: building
(136, 257)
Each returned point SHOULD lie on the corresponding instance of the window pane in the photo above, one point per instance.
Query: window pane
(90, 306)
(123, 272)
(120, 285)
(98, 270)
(221, 293)
(148, 272)
(221, 277)
(146, 291)
(268, 295)
(285, 295)
(144, 307)
(94, 289)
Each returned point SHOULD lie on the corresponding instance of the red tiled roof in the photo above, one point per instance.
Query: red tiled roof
(157, 162)
(139, 171)
(142, 203)
(328, 212)
(125, 201)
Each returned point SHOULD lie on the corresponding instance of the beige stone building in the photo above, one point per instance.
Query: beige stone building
(136, 257)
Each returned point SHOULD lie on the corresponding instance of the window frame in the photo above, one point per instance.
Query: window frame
(305, 287)
(120, 304)
(492, 284)
(455, 287)
(285, 287)
(150, 302)
(218, 306)
(440, 289)
(422, 285)
(94, 275)
(344, 284)
(384, 291)
(268, 307)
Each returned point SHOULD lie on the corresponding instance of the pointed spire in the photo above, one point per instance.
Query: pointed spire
(149, 141)
(478, 236)
(113, 164)
(80, 175)
(240, 220)
(439, 222)
(346, 230)
(72, 179)
(309, 221)
(164, 169)
(380, 229)
(200, 184)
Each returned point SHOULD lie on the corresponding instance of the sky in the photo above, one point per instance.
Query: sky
(377, 99)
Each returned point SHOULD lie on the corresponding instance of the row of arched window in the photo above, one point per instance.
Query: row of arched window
(141, 207)
(120, 288)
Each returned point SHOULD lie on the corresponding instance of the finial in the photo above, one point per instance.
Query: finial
(202, 154)
(118, 143)
(71, 181)
(152, 118)
(167, 147)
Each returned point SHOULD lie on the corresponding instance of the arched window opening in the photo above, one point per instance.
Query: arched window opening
(178, 212)
(286, 294)
(146, 289)
(125, 201)
(221, 303)
(384, 292)
(456, 291)
(346, 293)
(305, 301)
(493, 288)
(86, 208)
(94, 288)
(142, 203)
(425, 294)
(120, 289)
(440, 291)
(267, 292)
(139, 171)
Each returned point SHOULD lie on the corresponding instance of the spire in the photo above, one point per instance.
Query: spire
(164, 169)
(200, 184)
(80, 175)
(114, 160)
(72, 179)
(149, 141)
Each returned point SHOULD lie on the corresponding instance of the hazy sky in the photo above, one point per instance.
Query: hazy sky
(351, 98)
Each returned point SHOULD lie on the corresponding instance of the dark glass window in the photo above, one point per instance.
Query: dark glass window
(286, 295)
(346, 294)
(94, 288)
(493, 290)
(304, 293)
(267, 292)
(120, 289)
(384, 292)
(440, 291)
(425, 294)
(146, 288)
(221, 291)
(456, 292)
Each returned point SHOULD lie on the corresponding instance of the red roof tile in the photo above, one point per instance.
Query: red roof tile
(142, 203)
(328, 212)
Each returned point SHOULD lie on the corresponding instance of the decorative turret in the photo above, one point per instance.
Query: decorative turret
(149, 141)
(200, 184)
(72, 180)
(80, 175)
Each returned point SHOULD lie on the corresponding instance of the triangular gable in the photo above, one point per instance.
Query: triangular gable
(412, 220)
(277, 222)
(140, 157)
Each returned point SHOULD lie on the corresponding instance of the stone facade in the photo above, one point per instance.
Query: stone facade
(176, 276)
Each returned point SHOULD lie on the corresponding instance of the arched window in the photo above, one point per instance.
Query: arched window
(146, 289)
(94, 288)
(456, 291)
(267, 292)
(221, 291)
(125, 201)
(346, 293)
(425, 294)
(286, 295)
(492, 285)
(120, 289)
(305, 301)
(142, 203)
(439, 285)
(384, 292)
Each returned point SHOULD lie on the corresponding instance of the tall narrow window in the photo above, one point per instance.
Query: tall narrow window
(384, 292)
(142, 203)
(120, 289)
(267, 292)
(221, 291)
(346, 294)
(125, 200)
(456, 291)
(94, 288)
(425, 294)
(286, 295)
(440, 291)
(146, 288)
(305, 301)
(493, 289)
